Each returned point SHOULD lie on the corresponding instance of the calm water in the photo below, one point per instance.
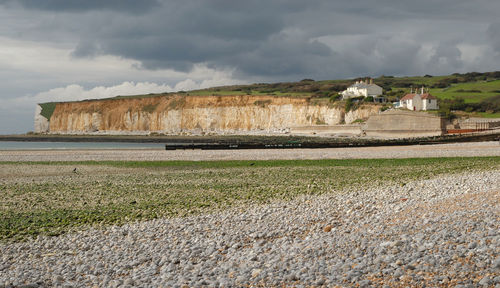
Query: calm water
(21, 145)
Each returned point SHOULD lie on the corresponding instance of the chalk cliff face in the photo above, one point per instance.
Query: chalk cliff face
(175, 114)
(41, 123)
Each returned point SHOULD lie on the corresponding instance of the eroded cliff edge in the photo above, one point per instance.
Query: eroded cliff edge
(181, 113)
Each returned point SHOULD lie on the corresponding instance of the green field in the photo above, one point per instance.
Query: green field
(49, 198)
(488, 115)
(473, 92)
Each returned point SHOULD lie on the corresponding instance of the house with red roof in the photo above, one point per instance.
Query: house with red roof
(419, 101)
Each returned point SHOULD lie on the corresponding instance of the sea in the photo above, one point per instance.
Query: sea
(38, 145)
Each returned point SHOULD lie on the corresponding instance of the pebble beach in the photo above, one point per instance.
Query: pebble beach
(438, 232)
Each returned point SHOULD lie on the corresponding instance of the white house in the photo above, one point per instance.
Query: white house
(417, 102)
(362, 88)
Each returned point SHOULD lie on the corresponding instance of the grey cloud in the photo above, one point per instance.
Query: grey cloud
(245, 36)
(494, 34)
(276, 39)
(447, 54)
(250, 22)
(283, 55)
(86, 49)
(129, 6)
(398, 56)
(426, 10)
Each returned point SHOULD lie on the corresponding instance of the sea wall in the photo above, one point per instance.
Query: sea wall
(180, 113)
(404, 124)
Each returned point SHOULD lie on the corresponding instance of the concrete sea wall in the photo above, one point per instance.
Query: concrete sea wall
(404, 124)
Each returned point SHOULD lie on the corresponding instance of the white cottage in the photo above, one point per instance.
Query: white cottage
(417, 102)
(362, 88)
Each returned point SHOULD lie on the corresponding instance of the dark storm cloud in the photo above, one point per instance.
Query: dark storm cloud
(131, 6)
(251, 36)
(494, 33)
(447, 54)
(278, 39)
(282, 55)
(178, 36)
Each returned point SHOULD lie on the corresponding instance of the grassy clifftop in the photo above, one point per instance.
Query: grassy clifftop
(474, 86)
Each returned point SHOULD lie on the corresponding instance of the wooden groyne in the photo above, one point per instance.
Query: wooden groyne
(328, 143)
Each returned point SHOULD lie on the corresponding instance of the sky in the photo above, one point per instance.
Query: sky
(65, 50)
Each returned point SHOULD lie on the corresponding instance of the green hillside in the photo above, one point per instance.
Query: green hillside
(474, 93)
(473, 86)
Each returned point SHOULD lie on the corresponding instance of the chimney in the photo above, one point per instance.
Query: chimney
(422, 90)
(371, 81)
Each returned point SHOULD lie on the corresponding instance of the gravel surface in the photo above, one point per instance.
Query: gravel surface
(437, 232)
(416, 151)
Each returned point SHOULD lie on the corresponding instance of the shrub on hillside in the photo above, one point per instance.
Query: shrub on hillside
(469, 91)
(348, 105)
(334, 97)
(490, 104)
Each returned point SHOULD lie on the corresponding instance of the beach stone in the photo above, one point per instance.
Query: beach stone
(365, 283)
(410, 267)
(496, 263)
(256, 272)
(57, 279)
(292, 277)
(485, 281)
(398, 273)
(320, 282)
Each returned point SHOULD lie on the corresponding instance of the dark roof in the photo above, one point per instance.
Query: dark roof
(423, 96)
(427, 96)
(362, 85)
